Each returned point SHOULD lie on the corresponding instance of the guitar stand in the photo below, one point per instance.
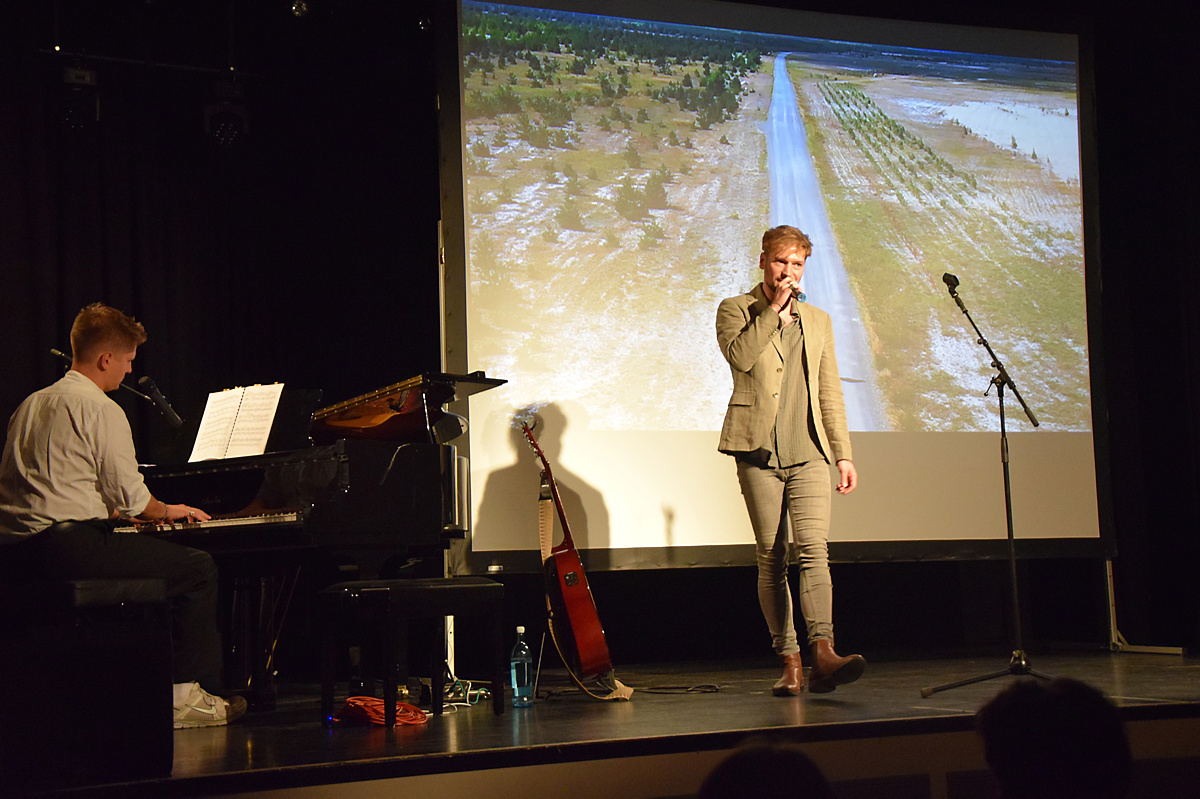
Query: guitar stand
(537, 674)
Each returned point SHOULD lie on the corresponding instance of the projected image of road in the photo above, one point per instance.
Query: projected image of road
(796, 195)
(620, 173)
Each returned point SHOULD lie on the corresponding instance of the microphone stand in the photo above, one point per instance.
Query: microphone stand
(1018, 665)
(62, 356)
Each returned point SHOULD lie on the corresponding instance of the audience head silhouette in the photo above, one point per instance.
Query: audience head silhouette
(1055, 738)
(763, 768)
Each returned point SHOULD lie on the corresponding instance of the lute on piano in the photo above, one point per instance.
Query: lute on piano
(410, 410)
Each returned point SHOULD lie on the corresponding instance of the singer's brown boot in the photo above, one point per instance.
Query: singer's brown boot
(792, 681)
(833, 670)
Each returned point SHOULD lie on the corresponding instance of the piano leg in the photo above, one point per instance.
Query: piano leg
(259, 607)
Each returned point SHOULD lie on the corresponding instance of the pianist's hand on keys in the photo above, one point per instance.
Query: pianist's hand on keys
(160, 527)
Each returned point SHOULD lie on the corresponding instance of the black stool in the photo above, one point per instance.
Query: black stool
(85, 682)
(384, 608)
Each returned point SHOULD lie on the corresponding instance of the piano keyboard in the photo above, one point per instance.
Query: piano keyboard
(288, 517)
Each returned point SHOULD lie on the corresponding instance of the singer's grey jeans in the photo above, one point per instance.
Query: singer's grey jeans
(802, 494)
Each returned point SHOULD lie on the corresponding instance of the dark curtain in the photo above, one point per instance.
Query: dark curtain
(298, 244)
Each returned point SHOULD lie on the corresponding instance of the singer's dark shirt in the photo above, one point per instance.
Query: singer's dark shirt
(793, 436)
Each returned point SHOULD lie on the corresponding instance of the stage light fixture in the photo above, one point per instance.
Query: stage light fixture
(79, 102)
(225, 118)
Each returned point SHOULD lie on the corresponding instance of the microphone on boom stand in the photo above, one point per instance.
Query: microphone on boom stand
(1018, 664)
(62, 356)
(160, 401)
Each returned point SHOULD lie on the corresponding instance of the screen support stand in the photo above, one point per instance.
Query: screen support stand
(1018, 665)
(1116, 641)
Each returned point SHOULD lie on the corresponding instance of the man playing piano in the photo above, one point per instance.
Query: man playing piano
(68, 472)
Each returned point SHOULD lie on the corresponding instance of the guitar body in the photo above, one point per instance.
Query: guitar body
(573, 614)
(573, 617)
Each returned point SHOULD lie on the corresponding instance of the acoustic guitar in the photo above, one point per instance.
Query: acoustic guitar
(574, 622)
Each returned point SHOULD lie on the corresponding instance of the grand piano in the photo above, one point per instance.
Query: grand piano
(378, 473)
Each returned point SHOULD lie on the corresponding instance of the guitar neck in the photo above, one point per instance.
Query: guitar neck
(568, 543)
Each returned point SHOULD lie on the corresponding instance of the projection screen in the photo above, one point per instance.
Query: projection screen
(607, 180)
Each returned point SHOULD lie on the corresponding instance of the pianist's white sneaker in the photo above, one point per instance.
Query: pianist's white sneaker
(195, 707)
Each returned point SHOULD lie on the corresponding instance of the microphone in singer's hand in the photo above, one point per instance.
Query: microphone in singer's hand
(160, 401)
(951, 281)
(798, 295)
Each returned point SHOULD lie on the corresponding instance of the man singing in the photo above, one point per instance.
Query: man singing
(785, 424)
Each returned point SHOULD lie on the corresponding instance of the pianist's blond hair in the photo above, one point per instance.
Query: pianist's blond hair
(98, 328)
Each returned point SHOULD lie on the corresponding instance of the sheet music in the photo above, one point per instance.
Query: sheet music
(236, 422)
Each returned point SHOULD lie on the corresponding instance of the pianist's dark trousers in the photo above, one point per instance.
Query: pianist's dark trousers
(91, 550)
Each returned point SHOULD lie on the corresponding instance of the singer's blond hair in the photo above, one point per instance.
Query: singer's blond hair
(777, 238)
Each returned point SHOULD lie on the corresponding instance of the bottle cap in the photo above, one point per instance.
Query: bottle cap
(520, 629)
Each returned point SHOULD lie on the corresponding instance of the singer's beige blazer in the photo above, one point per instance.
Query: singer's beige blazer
(748, 333)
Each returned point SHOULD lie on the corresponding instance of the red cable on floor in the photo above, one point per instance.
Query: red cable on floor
(369, 710)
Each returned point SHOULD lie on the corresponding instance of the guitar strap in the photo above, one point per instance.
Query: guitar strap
(545, 518)
(617, 690)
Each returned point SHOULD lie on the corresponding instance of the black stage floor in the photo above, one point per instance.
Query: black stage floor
(289, 750)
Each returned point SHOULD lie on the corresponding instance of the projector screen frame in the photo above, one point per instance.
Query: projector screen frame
(455, 351)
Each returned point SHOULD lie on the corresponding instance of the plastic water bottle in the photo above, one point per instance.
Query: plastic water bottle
(521, 668)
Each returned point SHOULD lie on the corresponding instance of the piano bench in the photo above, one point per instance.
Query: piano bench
(69, 649)
(385, 607)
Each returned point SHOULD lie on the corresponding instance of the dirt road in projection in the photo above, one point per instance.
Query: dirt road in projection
(609, 211)
(796, 199)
